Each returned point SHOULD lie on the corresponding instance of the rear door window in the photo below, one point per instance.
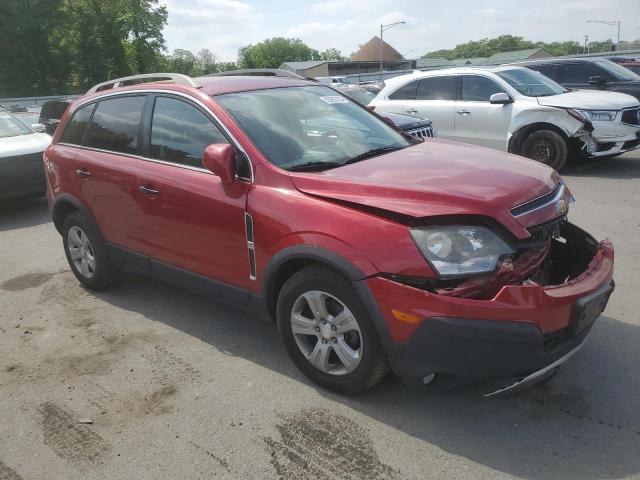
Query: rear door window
(579, 73)
(478, 89)
(437, 88)
(77, 125)
(406, 92)
(548, 70)
(116, 124)
(180, 132)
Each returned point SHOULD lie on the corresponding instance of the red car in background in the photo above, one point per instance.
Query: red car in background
(370, 250)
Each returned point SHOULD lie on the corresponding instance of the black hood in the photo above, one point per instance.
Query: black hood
(406, 122)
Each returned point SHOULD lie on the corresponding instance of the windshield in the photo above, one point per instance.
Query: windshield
(531, 83)
(310, 128)
(360, 95)
(619, 72)
(12, 127)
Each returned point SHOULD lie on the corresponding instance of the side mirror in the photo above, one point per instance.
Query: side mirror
(220, 159)
(38, 127)
(501, 98)
(597, 81)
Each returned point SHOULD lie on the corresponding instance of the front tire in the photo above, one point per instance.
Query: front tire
(546, 146)
(328, 333)
(86, 253)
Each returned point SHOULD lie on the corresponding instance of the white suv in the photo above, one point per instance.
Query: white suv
(518, 110)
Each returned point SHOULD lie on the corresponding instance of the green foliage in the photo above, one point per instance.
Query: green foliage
(34, 58)
(64, 46)
(271, 53)
(508, 43)
(332, 54)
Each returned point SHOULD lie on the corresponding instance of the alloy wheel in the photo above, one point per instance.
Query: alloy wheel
(81, 252)
(326, 332)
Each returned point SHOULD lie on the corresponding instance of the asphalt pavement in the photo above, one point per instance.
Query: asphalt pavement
(148, 381)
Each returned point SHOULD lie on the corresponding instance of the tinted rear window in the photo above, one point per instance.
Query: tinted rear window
(437, 88)
(115, 124)
(547, 69)
(407, 92)
(77, 125)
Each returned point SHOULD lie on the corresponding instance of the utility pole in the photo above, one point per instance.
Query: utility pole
(586, 40)
(382, 29)
(613, 23)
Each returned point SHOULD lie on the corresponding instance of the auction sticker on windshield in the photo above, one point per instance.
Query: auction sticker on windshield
(334, 99)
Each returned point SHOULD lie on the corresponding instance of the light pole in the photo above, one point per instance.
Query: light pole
(382, 29)
(614, 23)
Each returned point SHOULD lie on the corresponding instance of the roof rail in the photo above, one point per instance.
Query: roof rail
(258, 72)
(176, 78)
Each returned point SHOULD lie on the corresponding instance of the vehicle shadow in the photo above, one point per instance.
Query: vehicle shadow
(22, 213)
(584, 424)
(625, 167)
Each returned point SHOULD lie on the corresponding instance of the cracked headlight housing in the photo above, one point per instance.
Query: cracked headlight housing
(460, 250)
(599, 115)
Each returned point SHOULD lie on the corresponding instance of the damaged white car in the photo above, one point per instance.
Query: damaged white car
(518, 110)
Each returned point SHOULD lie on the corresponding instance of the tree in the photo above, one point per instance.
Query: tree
(63, 46)
(33, 59)
(206, 62)
(508, 43)
(332, 54)
(182, 61)
(144, 21)
(271, 53)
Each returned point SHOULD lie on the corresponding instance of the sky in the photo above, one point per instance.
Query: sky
(223, 26)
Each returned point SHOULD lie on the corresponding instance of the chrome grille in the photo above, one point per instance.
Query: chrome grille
(631, 116)
(539, 202)
(421, 132)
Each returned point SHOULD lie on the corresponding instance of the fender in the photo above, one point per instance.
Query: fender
(318, 254)
(58, 207)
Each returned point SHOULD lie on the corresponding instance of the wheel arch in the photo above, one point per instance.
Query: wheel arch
(516, 139)
(64, 205)
(291, 259)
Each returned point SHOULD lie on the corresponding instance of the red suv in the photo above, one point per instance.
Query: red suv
(370, 250)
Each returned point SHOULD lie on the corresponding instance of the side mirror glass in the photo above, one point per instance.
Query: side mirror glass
(500, 98)
(597, 80)
(38, 127)
(219, 158)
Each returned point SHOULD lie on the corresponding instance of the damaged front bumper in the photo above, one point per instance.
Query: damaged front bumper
(607, 138)
(522, 329)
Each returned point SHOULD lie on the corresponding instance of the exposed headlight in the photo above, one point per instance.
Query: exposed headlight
(599, 115)
(456, 250)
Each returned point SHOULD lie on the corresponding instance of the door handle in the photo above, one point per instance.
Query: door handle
(82, 173)
(148, 190)
(463, 112)
(412, 111)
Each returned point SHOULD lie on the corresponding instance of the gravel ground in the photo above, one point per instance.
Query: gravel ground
(178, 387)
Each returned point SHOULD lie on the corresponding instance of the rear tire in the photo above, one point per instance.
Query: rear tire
(337, 346)
(86, 253)
(546, 146)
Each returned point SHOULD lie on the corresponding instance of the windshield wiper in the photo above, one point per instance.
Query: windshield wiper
(372, 153)
(314, 166)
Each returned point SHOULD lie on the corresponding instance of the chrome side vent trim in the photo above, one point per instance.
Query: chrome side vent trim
(248, 226)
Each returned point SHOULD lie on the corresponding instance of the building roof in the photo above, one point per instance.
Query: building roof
(370, 52)
(433, 62)
(303, 65)
(517, 55)
(460, 62)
